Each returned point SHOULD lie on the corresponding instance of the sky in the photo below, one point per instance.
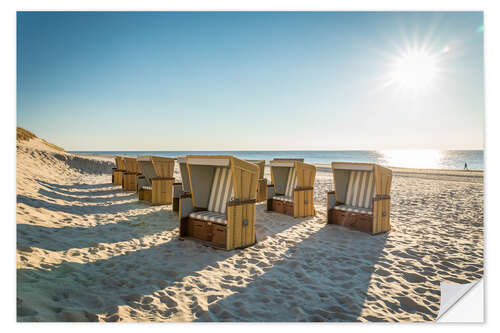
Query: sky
(252, 80)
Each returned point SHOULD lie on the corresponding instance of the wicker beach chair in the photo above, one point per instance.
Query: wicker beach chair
(291, 191)
(155, 185)
(262, 186)
(220, 210)
(361, 199)
(117, 172)
(129, 181)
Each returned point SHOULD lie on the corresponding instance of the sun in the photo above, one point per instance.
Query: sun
(414, 70)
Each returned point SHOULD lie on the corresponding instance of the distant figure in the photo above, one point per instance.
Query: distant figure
(465, 166)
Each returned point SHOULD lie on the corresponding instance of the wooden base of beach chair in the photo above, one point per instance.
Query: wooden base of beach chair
(302, 205)
(144, 195)
(160, 194)
(117, 176)
(209, 233)
(239, 232)
(282, 207)
(262, 190)
(358, 221)
(130, 181)
(303, 202)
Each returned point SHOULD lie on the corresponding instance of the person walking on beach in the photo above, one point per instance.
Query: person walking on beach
(465, 167)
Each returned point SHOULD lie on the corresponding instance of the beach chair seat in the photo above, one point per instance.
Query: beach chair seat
(155, 185)
(361, 198)
(354, 209)
(291, 191)
(220, 209)
(209, 216)
(283, 198)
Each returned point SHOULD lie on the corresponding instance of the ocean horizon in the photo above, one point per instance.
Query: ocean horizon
(410, 158)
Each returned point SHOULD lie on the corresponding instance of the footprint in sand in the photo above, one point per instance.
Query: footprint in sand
(382, 272)
(414, 278)
(411, 306)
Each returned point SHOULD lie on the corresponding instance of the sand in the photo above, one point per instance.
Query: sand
(87, 251)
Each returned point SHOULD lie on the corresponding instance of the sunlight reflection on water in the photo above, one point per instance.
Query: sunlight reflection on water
(413, 158)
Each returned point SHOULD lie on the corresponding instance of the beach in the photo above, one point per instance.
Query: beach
(88, 251)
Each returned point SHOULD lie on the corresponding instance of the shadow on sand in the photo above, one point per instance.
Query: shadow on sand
(324, 278)
(69, 189)
(76, 186)
(80, 209)
(65, 238)
(88, 199)
(80, 290)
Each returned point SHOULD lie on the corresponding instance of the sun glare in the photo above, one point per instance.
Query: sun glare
(415, 71)
(413, 158)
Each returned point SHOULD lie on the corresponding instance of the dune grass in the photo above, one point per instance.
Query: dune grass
(25, 135)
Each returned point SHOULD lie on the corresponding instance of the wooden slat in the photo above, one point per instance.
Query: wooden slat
(237, 182)
(230, 228)
(309, 196)
(164, 166)
(244, 215)
(301, 204)
(237, 226)
(262, 190)
(253, 184)
(245, 184)
(250, 208)
(131, 164)
(162, 192)
(388, 221)
(252, 223)
(247, 166)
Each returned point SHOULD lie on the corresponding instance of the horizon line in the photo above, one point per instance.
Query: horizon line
(250, 150)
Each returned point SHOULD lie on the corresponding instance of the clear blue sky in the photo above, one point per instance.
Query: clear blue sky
(217, 81)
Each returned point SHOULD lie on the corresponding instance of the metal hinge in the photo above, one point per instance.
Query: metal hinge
(245, 222)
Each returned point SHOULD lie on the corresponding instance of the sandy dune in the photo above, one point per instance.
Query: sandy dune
(86, 250)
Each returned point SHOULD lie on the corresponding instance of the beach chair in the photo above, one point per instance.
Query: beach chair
(361, 199)
(220, 210)
(291, 191)
(155, 185)
(262, 186)
(130, 176)
(117, 173)
(181, 187)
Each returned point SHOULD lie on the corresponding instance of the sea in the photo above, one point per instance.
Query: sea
(406, 158)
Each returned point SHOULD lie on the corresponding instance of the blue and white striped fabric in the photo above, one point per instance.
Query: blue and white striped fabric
(360, 189)
(209, 216)
(221, 192)
(291, 183)
(354, 209)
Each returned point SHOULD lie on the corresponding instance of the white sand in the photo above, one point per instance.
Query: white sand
(89, 251)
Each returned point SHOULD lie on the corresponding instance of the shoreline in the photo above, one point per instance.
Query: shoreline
(326, 167)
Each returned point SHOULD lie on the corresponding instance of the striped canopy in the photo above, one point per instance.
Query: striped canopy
(360, 189)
